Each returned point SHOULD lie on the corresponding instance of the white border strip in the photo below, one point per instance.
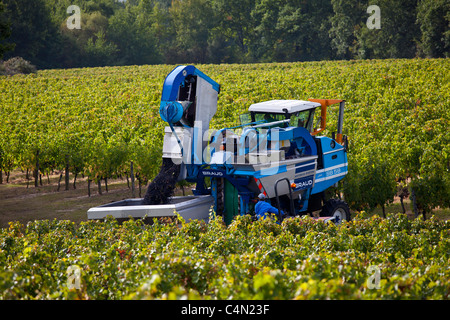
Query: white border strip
(332, 168)
(332, 151)
(332, 177)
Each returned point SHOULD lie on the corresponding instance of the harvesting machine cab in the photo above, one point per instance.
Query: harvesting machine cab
(275, 151)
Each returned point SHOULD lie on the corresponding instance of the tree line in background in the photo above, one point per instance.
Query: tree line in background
(135, 32)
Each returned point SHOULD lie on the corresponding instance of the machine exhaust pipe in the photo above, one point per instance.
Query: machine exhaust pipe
(339, 138)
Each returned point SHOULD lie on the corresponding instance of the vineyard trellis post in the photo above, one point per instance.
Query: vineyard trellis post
(59, 181)
(67, 172)
(36, 175)
(132, 180)
(413, 196)
(99, 184)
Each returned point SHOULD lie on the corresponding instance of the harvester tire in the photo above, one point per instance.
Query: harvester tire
(336, 208)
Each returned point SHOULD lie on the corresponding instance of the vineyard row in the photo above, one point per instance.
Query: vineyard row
(96, 122)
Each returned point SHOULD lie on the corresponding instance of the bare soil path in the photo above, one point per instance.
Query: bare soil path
(21, 203)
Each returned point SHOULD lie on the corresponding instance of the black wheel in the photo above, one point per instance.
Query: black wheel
(336, 208)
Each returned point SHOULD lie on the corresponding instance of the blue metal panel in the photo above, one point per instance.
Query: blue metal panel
(304, 183)
(176, 77)
(283, 134)
(332, 156)
(304, 201)
(303, 168)
(322, 186)
(173, 81)
(244, 173)
(214, 84)
(299, 135)
(304, 140)
(214, 192)
(270, 171)
(240, 183)
(216, 173)
(325, 178)
(335, 165)
(334, 159)
(327, 144)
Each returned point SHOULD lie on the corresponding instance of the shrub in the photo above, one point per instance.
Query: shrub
(16, 65)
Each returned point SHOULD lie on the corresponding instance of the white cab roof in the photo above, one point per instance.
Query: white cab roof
(277, 106)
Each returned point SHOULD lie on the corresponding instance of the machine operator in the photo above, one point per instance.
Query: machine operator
(262, 208)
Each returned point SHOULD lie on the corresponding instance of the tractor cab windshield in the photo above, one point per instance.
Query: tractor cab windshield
(269, 117)
(303, 118)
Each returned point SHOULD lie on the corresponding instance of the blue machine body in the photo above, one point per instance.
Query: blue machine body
(171, 110)
(335, 165)
(254, 161)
